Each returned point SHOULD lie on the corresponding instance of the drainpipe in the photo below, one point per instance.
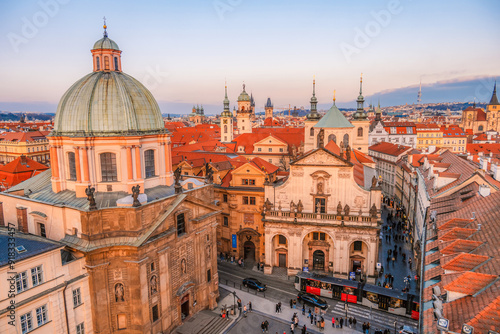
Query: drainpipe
(65, 309)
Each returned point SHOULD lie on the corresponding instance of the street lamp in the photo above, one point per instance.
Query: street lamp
(395, 327)
(346, 308)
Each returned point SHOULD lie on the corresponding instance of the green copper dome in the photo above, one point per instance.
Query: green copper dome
(106, 43)
(333, 119)
(107, 104)
(244, 95)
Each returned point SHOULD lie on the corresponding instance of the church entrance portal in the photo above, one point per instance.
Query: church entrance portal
(185, 307)
(249, 251)
(318, 260)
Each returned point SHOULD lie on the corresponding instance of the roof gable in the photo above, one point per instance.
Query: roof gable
(321, 156)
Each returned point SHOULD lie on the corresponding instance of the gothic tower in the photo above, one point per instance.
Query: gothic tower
(311, 119)
(269, 108)
(361, 123)
(226, 122)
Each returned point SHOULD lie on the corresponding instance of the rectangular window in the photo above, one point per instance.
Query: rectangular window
(42, 230)
(26, 323)
(322, 236)
(252, 200)
(251, 182)
(181, 224)
(245, 200)
(358, 245)
(226, 221)
(21, 281)
(224, 198)
(270, 149)
(37, 275)
(244, 182)
(259, 149)
(209, 275)
(281, 149)
(149, 163)
(154, 312)
(281, 240)
(315, 235)
(72, 166)
(41, 315)
(77, 297)
(320, 205)
(108, 167)
(80, 328)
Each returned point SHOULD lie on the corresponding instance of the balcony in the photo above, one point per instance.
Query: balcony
(331, 219)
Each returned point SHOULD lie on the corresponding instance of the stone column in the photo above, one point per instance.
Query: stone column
(268, 269)
(138, 169)
(130, 167)
(85, 164)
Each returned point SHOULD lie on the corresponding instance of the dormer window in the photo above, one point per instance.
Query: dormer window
(106, 63)
(97, 64)
(116, 64)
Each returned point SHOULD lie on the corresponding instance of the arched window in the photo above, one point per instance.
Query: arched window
(106, 63)
(360, 132)
(225, 128)
(346, 140)
(97, 63)
(71, 166)
(149, 163)
(116, 64)
(332, 137)
(311, 132)
(480, 128)
(108, 167)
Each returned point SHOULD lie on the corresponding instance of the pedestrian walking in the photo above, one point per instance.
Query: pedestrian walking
(350, 322)
(303, 309)
(266, 326)
(245, 311)
(304, 329)
(409, 262)
(354, 321)
(333, 322)
(249, 306)
(263, 326)
(279, 307)
(292, 327)
(291, 303)
(322, 324)
(341, 322)
(309, 314)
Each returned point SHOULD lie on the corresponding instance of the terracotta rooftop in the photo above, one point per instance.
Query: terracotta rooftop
(389, 148)
(465, 262)
(459, 246)
(488, 319)
(470, 283)
(456, 233)
(455, 222)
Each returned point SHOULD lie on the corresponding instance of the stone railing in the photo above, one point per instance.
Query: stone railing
(329, 218)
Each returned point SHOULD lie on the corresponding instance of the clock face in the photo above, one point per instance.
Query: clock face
(225, 121)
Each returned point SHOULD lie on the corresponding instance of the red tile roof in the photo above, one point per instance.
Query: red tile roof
(465, 262)
(456, 233)
(470, 282)
(459, 246)
(19, 170)
(389, 148)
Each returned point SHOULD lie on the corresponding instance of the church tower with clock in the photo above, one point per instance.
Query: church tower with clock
(226, 122)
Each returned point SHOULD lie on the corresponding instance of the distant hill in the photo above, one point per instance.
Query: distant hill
(13, 116)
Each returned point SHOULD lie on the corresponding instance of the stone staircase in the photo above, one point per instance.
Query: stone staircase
(215, 326)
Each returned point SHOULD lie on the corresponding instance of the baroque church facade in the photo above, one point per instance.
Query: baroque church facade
(479, 120)
(325, 216)
(111, 196)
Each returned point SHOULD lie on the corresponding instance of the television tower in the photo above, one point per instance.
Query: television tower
(419, 96)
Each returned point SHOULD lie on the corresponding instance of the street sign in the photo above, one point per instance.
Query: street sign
(467, 329)
(352, 275)
(234, 240)
(379, 265)
(443, 324)
(305, 269)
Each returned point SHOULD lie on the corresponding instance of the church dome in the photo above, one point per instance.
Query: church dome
(243, 96)
(107, 103)
(106, 43)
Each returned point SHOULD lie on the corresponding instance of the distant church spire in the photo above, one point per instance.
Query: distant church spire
(313, 115)
(419, 96)
(360, 110)
(494, 99)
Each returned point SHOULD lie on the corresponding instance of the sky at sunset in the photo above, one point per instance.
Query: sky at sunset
(183, 51)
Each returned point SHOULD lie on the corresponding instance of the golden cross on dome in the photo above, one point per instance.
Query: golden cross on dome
(105, 27)
(334, 96)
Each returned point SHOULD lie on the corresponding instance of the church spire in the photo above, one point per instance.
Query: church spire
(360, 110)
(313, 114)
(105, 34)
(494, 99)
(226, 112)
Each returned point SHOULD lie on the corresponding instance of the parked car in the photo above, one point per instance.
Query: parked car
(408, 330)
(309, 298)
(254, 283)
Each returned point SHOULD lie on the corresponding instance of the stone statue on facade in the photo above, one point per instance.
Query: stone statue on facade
(339, 209)
(300, 206)
(348, 153)
(294, 152)
(209, 173)
(279, 206)
(347, 209)
(374, 182)
(135, 195)
(320, 187)
(89, 191)
(183, 266)
(318, 207)
(119, 293)
(177, 179)
(153, 283)
(321, 138)
(267, 205)
(373, 211)
(292, 206)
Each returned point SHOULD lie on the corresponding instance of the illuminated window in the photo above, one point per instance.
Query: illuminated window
(108, 167)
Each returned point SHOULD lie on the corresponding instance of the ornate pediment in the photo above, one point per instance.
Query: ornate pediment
(322, 157)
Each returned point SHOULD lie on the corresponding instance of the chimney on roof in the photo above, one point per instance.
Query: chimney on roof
(23, 159)
(484, 190)
(496, 172)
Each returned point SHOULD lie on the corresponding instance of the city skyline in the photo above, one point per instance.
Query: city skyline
(185, 52)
